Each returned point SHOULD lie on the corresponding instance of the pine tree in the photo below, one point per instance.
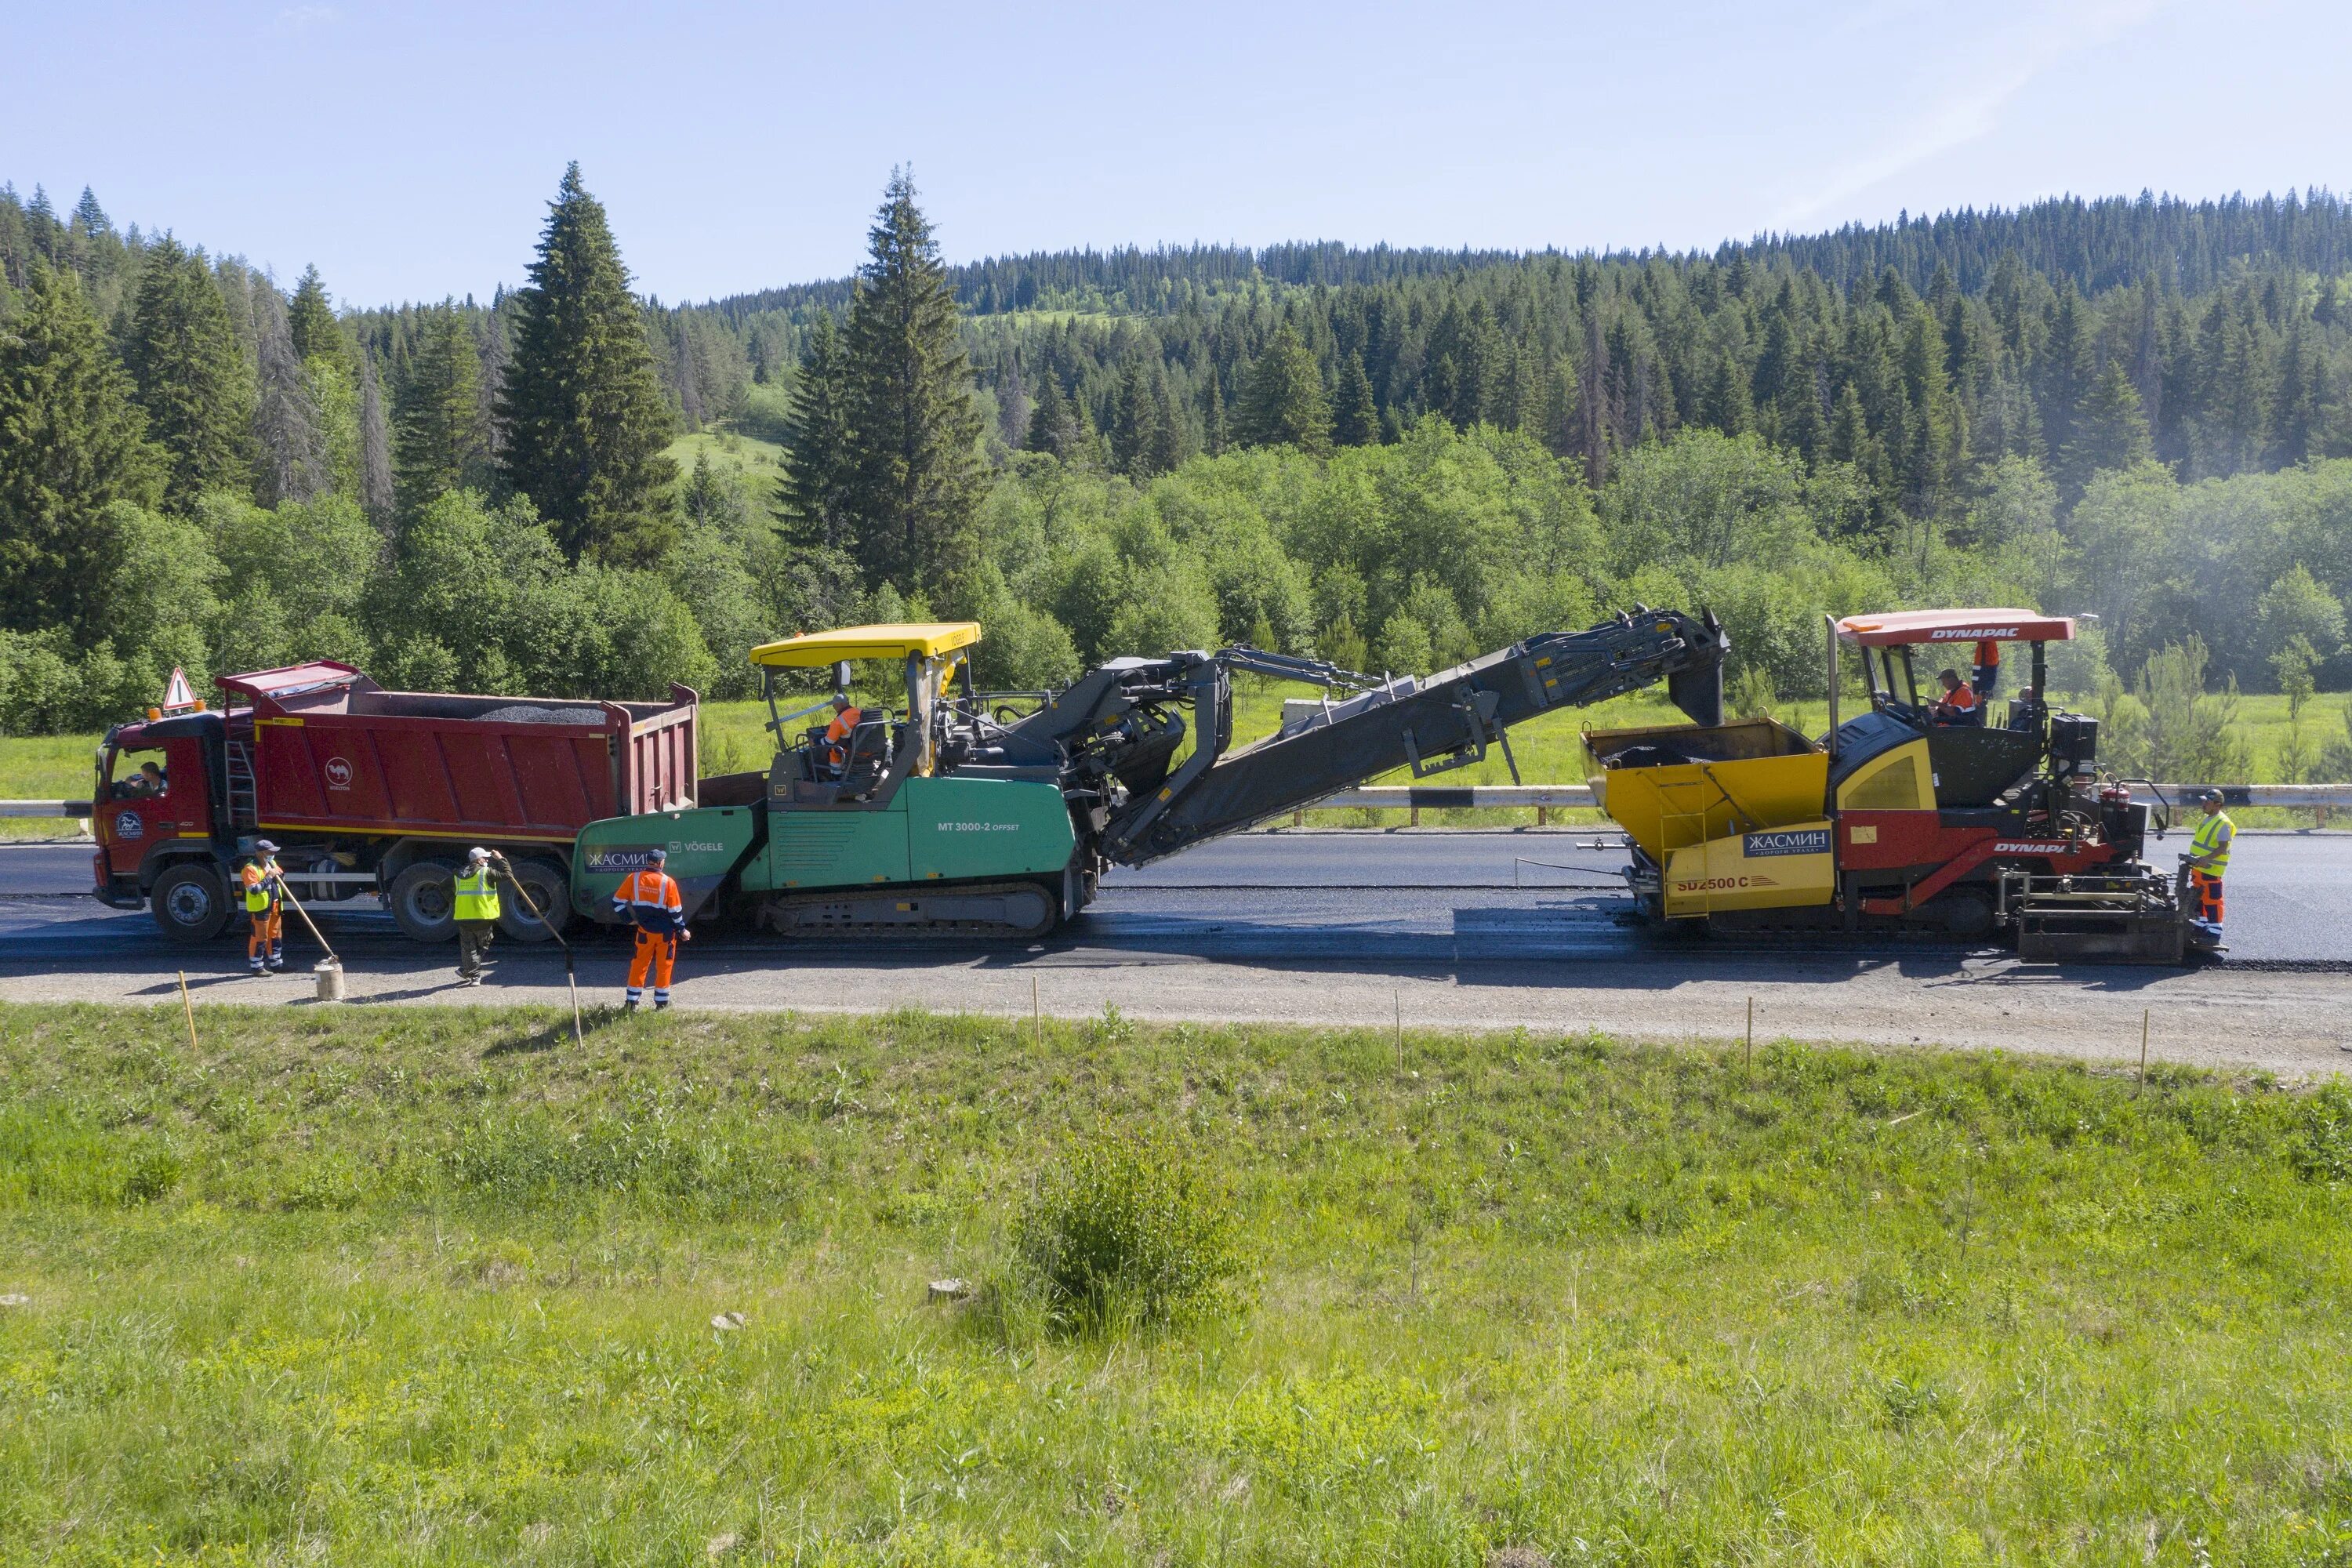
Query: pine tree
(183, 355)
(1282, 398)
(287, 434)
(812, 503)
(1213, 434)
(436, 430)
(583, 423)
(311, 319)
(1355, 422)
(375, 446)
(915, 426)
(71, 444)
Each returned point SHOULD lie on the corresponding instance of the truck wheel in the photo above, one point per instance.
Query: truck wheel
(424, 899)
(190, 902)
(551, 889)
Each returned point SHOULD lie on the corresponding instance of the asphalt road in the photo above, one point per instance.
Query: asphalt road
(1357, 928)
(1336, 896)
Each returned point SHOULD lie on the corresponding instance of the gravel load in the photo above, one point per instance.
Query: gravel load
(542, 713)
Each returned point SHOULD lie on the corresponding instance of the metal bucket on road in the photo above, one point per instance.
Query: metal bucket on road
(329, 974)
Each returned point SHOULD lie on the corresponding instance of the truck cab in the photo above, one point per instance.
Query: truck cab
(159, 813)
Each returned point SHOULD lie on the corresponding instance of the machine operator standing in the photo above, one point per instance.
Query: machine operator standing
(650, 900)
(2208, 862)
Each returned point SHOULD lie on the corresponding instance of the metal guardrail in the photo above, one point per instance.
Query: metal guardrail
(1423, 797)
(1546, 797)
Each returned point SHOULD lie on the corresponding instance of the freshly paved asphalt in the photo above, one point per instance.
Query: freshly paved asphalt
(1422, 930)
(1330, 897)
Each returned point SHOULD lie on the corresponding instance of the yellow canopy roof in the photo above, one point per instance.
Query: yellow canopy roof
(814, 650)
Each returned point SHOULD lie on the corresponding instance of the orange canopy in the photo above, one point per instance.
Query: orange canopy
(1956, 627)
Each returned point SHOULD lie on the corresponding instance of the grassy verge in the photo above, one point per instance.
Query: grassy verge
(370, 1287)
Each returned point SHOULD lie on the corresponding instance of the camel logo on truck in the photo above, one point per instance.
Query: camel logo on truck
(338, 773)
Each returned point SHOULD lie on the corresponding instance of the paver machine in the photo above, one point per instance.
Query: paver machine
(1915, 812)
(993, 814)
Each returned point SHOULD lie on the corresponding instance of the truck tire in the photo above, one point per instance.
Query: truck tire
(551, 889)
(190, 902)
(424, 899)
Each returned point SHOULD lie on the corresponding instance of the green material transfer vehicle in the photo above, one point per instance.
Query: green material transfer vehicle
(995, 814)
(868, 832)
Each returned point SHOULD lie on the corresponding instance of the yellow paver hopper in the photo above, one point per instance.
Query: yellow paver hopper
(1731, 816)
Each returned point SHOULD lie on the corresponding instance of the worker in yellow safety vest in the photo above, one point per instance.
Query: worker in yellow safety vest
(476, 909)
(264, 886)
(649, 900)
(2208, 862)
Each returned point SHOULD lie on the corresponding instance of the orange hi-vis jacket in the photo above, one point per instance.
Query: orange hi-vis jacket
(837, 734)
(650, 900)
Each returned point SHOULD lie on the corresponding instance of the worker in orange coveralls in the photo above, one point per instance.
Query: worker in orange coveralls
(650, 900)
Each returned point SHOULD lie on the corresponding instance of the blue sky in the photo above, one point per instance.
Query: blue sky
(409, 149)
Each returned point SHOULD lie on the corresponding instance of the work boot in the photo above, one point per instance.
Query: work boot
(630, 1005)
(661, 1006)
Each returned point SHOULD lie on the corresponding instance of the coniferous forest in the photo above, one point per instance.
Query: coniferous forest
(2139, 410)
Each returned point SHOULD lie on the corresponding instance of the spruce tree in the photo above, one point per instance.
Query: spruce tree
(2110, 431)
(289, 440)
(915, 426)
(583, 423)
(375, 445)
(1282, 401)
(437, 429)
(1051, 428)
(812, 503)
(310, 320)
(1213, 434)
(1355, 422)
(191, 376)
(71, 444)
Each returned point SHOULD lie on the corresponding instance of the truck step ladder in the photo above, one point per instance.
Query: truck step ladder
(241, 810)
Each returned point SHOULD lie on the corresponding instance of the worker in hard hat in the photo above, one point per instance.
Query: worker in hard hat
(476, 909)
(264, 886)
(1960, 704)
(649, 900)
(838, 734)
(2208, 862)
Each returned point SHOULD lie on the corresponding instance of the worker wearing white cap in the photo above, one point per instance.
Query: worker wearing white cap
(265, 895)
(476, 909)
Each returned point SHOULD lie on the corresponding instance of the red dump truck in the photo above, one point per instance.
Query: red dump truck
(372, 795)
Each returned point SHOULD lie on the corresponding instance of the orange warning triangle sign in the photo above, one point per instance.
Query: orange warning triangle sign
(177, 694)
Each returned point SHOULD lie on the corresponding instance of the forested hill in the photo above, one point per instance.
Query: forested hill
(2107, 243)
(2136, 409)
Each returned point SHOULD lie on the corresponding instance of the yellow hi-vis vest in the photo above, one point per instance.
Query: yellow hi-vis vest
(477, 895)
(261, 887)
(2210, 843)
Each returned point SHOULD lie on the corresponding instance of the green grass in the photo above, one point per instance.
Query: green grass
(759, 462)
(435, 1286)
(45, 767)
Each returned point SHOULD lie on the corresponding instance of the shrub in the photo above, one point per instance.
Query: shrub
(1129, 1228)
